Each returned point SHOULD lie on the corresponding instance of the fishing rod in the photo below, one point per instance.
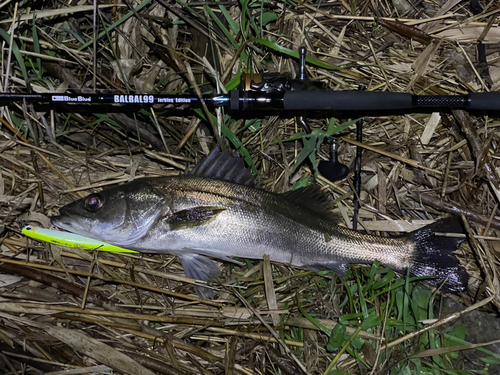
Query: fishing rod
(263, 93)
(273, 92)
(289, 100)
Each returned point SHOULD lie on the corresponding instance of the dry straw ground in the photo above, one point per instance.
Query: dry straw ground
(73, 312)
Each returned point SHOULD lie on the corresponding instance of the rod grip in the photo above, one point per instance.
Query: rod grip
(346, 100)
(485, 101)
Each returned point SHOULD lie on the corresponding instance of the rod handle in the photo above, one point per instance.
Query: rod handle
(485, 101)
(345, 100)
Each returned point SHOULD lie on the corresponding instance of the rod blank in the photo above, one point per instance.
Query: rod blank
(328, 101)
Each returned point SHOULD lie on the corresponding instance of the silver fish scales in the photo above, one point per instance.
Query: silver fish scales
(217, 211)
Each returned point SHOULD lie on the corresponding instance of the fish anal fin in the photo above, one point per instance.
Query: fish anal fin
(337, 267)
(200, 267)
(313, 198)
(192, 217)
(225, 166)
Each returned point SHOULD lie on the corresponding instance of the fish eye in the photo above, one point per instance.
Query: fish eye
(93, 202)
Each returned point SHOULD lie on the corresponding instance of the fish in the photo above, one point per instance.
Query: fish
(217, 212)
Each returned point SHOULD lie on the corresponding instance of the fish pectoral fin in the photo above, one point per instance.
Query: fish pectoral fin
(192, 217)
(200, 267)
(337, 267)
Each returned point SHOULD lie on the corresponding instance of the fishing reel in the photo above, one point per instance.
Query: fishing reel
(332, 169)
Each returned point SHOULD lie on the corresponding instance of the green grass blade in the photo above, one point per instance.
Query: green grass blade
(332, 129)
(115, 55)
(464, 342)
(17, 54)
(320, 326)
(36, 47)
(116, 24)
(309, 147)
(222, 27)
(295, 54)
(232, 23)
(23, 129)
(75, 35)
(234, 82)
(226, 32)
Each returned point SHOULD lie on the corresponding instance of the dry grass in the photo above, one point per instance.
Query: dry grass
(97, 313)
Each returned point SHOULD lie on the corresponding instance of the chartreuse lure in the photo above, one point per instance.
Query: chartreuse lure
(71, 240)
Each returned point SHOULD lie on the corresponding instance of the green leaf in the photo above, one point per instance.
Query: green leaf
(435, 343)
(116, 24)
(372, 321)
(357, 343)
(338, 372)
(352, 316)
(310, 318)
(17, 54)
(75, 35)
(389, 276)
(251, 125)
(309, 147)
(463, 342)
(36, 47)
(373, 271)
(398, 283)
(300, 183)
(232, 23)
(402, 371)
(420, 302)
(295, 54)
(294, 137)
(248, 263)
(231, 136)
(332, 129)
(267, 17)
(234, 82)
(312, 160)
(490, 360)
(362, 300)
(419, 370)
(337, 338)
(457, 332)
(222, 27)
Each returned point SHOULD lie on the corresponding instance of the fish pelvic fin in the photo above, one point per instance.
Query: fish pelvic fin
(200, 267)
(433, 255)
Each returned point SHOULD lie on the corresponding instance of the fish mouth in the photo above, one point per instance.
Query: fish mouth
(68, 224)
(59, 222)
(73, 225)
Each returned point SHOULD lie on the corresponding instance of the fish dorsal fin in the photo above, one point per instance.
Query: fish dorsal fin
(312, 198)
(226, 166)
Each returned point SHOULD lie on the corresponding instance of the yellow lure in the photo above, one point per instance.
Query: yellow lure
(71, 240)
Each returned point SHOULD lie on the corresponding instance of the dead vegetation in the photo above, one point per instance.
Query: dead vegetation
(69, 311)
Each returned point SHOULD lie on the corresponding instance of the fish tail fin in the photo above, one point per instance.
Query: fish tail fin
(433, 255)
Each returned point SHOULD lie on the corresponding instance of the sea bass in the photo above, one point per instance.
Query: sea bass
(218, 211)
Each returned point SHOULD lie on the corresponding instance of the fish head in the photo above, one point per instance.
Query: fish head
(120, 215)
